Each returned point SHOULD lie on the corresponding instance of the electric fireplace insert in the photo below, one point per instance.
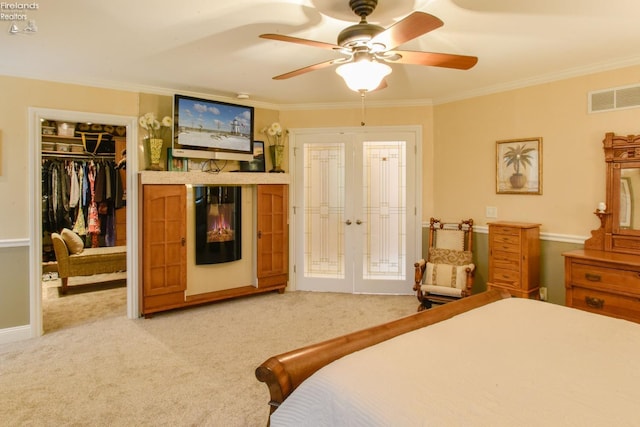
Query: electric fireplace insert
(218, 224)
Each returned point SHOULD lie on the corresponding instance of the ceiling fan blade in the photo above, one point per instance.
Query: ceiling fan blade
(414, 25)
(304, 70)
(383, 85)
(297, 40)
(445, 60)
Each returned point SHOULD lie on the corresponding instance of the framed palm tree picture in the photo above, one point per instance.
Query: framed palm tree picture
(519, 166)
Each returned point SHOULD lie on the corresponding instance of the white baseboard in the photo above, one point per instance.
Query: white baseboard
(17, 333)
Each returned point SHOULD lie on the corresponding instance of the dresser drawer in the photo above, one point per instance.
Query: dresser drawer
(505, 260)
(504, 230)
(506, 277)
(510, 257)
(507, 247)
(605, 303)
(605, 278)
(506, 239)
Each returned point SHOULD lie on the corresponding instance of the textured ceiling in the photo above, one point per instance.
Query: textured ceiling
(212, 47)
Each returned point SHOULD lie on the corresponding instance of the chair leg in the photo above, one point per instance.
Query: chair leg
(64, 285)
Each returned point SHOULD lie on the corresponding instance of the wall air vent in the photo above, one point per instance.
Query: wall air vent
(618, 98)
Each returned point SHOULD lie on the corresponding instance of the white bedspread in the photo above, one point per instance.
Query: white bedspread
(515, 362)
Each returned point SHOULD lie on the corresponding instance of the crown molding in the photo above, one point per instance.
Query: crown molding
(542, 79)
(488, 90)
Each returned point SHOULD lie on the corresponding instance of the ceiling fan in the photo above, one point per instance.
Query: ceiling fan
(368, 47)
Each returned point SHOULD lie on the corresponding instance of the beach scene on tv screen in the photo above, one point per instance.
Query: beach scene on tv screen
(214, 125)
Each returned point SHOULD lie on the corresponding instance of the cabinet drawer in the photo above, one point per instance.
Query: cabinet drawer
(506, 256)
(508, 239)
(506, 277)
(503, 230)
(507, 247)
(506, 263)
(605, 303)
(594, 276)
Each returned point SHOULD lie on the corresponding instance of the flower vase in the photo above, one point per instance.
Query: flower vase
(154, 148)
(277, 152)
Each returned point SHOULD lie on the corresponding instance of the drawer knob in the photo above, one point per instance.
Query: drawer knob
(594, 302)
(592, 277)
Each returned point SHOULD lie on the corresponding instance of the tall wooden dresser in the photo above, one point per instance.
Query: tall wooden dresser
(514, 258)
(604, 277)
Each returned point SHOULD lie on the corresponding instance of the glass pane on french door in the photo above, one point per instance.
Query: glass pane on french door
(353, 228)
(383, 249)
(320, 221)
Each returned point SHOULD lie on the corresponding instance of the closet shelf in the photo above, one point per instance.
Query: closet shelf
(73, 138)
(77, 155)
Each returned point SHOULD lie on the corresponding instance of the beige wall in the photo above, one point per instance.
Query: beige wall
(17, 96)
(460, 135)
(573, 159)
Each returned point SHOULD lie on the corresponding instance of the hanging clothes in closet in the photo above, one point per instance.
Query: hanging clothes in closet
(81, 195)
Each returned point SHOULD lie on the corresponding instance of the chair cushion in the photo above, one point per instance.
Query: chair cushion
(447, 275)
(73, 241)
(441, 290)
(450, 239)
(449, 256)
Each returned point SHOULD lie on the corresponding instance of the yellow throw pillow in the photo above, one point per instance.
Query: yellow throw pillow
(73, 241)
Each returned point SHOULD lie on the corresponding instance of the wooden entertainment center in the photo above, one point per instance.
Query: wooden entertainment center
(164, 238)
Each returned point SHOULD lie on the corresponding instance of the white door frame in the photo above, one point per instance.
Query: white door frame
(298, 180)
(36, 115)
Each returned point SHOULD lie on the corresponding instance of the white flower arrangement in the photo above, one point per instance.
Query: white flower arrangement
(274, 133)
(153, 126)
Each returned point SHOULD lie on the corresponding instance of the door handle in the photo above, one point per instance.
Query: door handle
(358, 222)
(348, 222)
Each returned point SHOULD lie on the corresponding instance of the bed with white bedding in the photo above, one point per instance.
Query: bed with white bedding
(493, 361)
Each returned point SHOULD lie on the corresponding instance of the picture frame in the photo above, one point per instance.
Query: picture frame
(176, 164)
(519, 166)
(258, 162)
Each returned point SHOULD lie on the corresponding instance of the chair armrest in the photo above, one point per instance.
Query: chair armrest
(420, 266)
(470, 274)
(62, 255)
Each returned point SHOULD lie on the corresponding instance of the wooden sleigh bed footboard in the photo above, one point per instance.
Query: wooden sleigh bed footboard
(286, 371)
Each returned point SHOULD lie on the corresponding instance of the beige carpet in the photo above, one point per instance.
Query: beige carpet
(192, 367)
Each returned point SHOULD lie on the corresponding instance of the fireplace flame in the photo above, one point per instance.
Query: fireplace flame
(219, 229)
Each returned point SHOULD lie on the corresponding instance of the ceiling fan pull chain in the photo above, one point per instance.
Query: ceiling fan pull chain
(362, 93)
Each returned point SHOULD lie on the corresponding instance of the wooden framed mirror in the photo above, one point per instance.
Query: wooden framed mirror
(620, 222)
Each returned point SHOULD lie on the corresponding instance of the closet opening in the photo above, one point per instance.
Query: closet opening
(83, 221)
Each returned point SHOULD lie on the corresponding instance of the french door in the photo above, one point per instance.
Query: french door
(356, 213)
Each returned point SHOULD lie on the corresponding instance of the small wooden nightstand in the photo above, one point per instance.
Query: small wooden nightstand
(514, 258)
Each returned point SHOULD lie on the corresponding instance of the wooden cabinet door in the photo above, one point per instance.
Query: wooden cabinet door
(273, 235)
(164, 240)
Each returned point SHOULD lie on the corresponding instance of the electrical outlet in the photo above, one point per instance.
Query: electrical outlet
(543, 293)
(491, 212)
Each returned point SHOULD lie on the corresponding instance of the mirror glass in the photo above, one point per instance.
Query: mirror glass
(629, 216)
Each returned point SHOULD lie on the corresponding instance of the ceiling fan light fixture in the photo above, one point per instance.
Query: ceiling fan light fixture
(364, 75)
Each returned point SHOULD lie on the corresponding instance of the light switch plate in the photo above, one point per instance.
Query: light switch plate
(492, 212)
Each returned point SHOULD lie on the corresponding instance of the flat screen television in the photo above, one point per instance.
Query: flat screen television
(211, 129)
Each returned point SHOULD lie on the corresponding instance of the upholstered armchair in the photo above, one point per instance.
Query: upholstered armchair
(447, 272)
